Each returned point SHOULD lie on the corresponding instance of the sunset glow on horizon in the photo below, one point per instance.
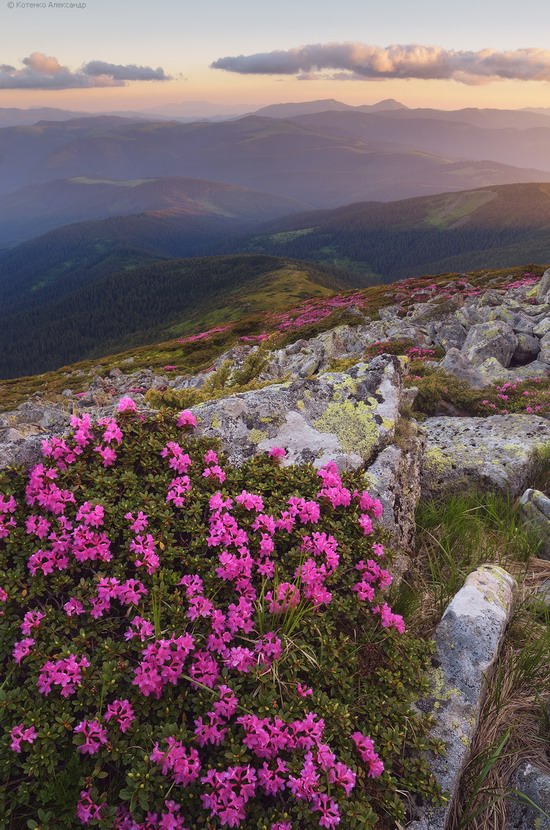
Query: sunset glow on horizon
(181, 43)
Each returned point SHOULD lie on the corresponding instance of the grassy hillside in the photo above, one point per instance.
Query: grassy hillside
(486, 227)
(288, 292)
(154, 302)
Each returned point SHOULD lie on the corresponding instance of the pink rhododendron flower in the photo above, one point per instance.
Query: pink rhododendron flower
(139, 522)
(73, 607)
(86, 810)
(22, 649)
(179, 762)
(277, 452)
(126, 405)
(65, 673)
(303, 691)
(122, 712)
(31, 620)
(186, 419)
(94, 734)
(21, 733)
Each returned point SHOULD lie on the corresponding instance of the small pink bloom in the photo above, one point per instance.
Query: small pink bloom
(186, 419)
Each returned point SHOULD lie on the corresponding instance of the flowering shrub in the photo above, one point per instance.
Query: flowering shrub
(185, 644)
(531, 397)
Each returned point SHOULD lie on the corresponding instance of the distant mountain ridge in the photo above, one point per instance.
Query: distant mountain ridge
(37, 209)
(490, 227)
(323, 160)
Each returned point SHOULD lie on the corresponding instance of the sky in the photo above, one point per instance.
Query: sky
(135, 54)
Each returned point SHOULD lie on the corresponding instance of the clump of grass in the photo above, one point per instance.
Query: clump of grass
(442, 393)
(541, 476)
(456, 535)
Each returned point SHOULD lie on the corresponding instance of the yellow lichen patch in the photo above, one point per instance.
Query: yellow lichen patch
(435, 459)
(353, 424)
(256, 435)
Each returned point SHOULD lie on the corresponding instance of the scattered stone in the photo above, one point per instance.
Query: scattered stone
(534, 783)
(535, 511)
(468, 641)
(499, 452)
(449, 334)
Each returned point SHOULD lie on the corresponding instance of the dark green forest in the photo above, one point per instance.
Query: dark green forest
(145, 305)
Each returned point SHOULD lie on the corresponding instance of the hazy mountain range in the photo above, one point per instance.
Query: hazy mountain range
(97, 211)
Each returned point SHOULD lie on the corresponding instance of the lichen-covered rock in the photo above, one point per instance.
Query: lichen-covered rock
(346, 417)
(457, 364)
(535, 510)
(449, 334)
(544, 354)
(468, 641)
(495, 339)
(543, 288)
(23, 430)
(534, 783)
(497, 453)
(395, 479)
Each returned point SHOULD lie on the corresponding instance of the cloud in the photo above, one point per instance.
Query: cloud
(40, 71)
(353, 61)
(124, 73)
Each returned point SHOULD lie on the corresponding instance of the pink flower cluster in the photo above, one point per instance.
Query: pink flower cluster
(203, 335)
(8, 506)
(122, 712)
(315, 310)
(94, 734)
(20, 734)
(365, 748)
(162, 662)
(65, 673)
(245, 540)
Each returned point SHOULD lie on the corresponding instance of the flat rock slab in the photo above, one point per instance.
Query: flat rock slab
(499, 453)
(468, 641)
(535, 784)
(346, 417)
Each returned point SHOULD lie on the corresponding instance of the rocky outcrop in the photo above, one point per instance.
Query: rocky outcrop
(532, 812)
(468, 641)
(345, 417)
(499, 453)
(395, 479)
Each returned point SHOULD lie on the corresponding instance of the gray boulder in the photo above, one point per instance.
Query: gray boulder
(495, 339)
(534, 783)
(457, 364)
(527, 349)
(448, 334)
(499, 453)
(535, 511)
(543, 288)
(468, 641)
(544, 355)
(347, 417)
